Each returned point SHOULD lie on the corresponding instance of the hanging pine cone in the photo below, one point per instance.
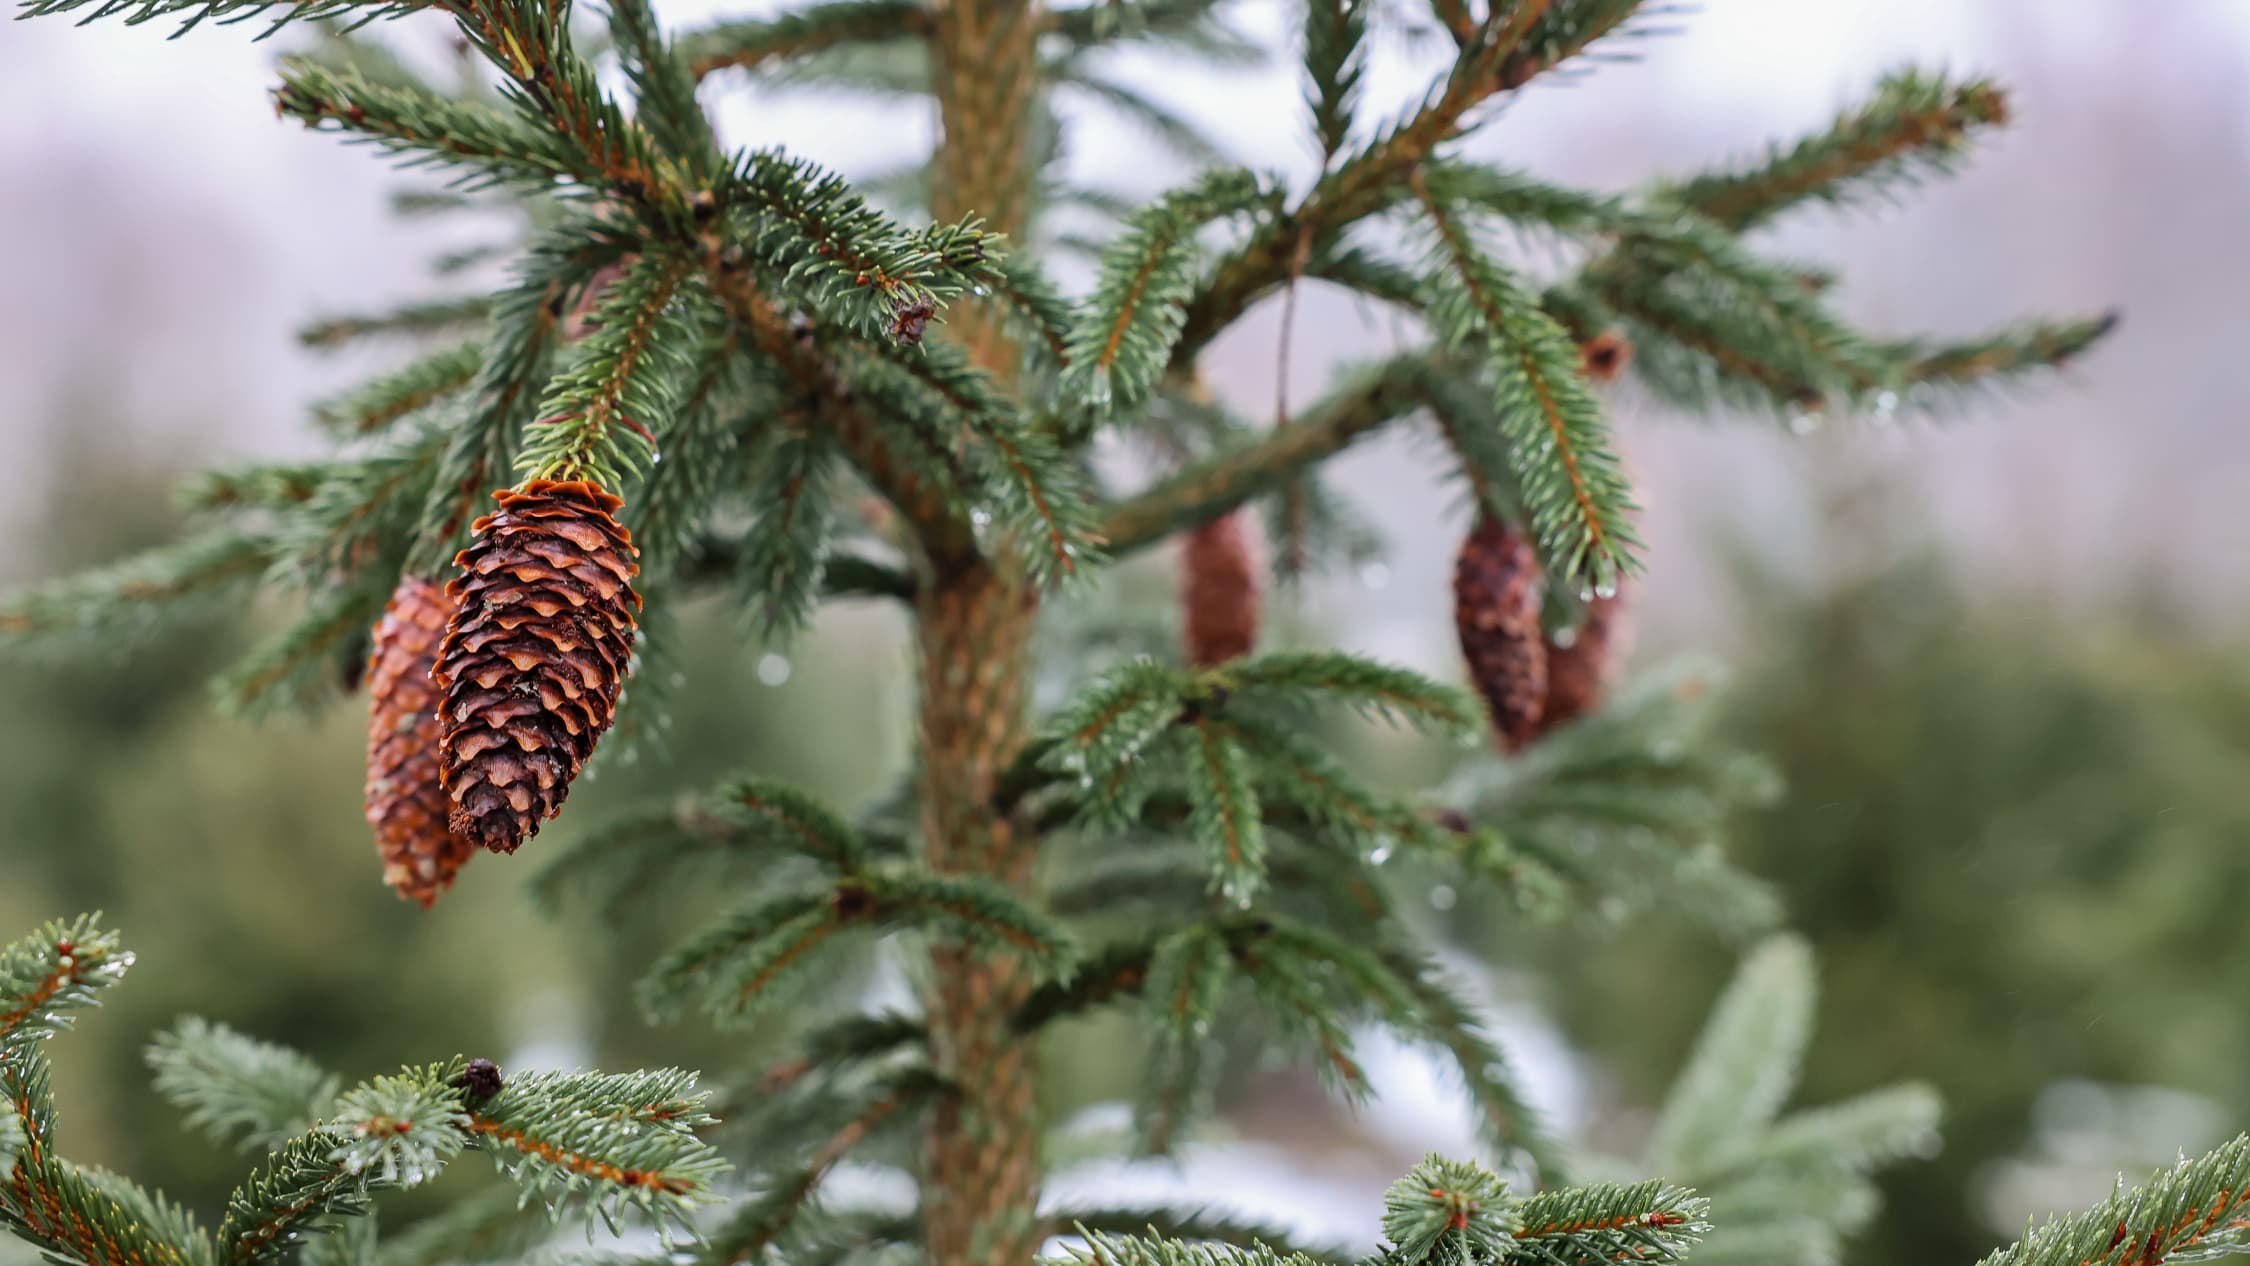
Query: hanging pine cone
(406, 804)
(1583, 662)
(538, 649)
(1219, 591)
(1496, 600)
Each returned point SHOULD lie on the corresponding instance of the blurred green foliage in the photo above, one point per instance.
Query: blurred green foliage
(2018, 840)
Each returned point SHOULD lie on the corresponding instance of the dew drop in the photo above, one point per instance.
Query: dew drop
(773, 669)
(1607, 589)
(980, 518)
(979, 291)
(1381, 854)
(1564, 639)
(1802, 422)
(1442, 897)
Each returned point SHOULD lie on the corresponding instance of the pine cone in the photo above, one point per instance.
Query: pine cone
(405, 802)
(1219, 591)
(538, 649)
(1583, 662)
(1496, 600)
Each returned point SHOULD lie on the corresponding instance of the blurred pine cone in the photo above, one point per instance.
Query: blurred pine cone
(541, 639)
(1497, 591)
(1582, 663)
(406, 804)
(1219, 591)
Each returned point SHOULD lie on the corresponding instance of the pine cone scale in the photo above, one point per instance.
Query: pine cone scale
(536, 655)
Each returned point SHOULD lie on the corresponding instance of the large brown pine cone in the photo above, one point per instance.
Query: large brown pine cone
(406, 804)
(1219, 591)
(1497, 591)
(538, 649)
(1582, 663)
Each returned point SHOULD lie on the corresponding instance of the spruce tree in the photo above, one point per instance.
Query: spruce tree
(728, 371)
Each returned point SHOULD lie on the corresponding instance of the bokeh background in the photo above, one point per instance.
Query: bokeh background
(2003, 662)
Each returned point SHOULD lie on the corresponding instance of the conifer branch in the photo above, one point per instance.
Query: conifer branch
(496, 147)
(602, 417)
(1335, 62)
(2198, 1209)
(1204, 1224)
(1604, 1223)
(133, 599)
(557, 1135)
(370, 409)
(58, 970)
(1122, 337)
(1204, 490)
(1915, 125)
(768, 1216)
(1745, 1064)
(1565, 469)
(224, 12)
(816, 28)
(2004, 354)
(237, 1089)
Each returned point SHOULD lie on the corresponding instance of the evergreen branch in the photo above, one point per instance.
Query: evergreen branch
(942, 525)
(1040, 313)
(370, 409)
(701, 453)
(840, 1045)
(616, 1142)
(1746, 1062)
(1511, 50)
(224, 12)
(237, 1089)
(1565, 468)
(1449, 1211)
(813, 29)
(1184, 981)
(1207, 489)
(663, 87)
(1122, 338)
(736, 967)
(1298, 773)
(1915, 125)
(400, 1128)
(495, 146)
(1603, 1223)
(1110, 722)
(59, 969)
(519, 357)
(1445, 1017)
(763, 1220)
(2197, 1210)
(1335, 63)
(1200, 1224)
(2004, 354)
(1040, 489)
(552, 86)
(1856, 1135)
(297, 665)
(1397, 695)
(818, 240)
(1117, 972)
(782, 564)
(603, 416)
(268, 487)
(1224, 813)
(130, 600)
(1102, 1248)
(292, 1191)
(791, 819)
(82, 1217)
